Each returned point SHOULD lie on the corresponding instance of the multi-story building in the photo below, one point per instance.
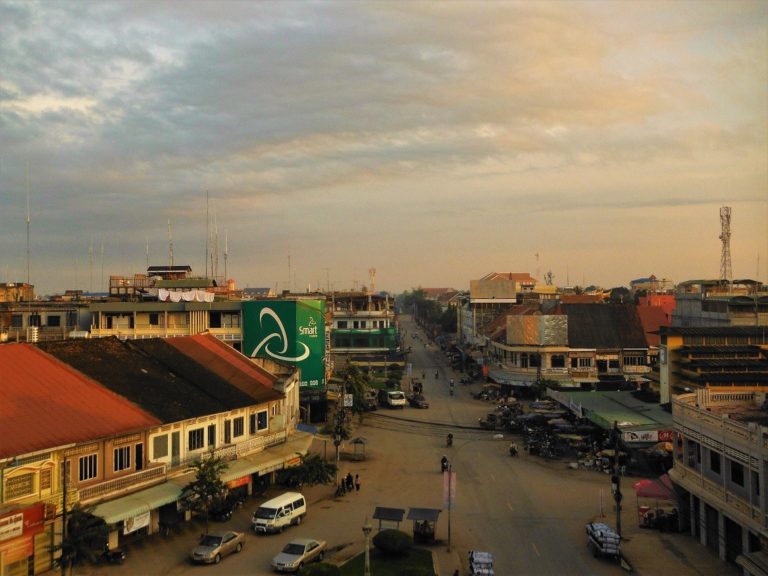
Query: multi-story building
(572, 344)
(362, 324)
(721, 468)
(691, 358)
(712, 303)
(125, 419)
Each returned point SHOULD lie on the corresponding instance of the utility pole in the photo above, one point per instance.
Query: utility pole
(616, 476)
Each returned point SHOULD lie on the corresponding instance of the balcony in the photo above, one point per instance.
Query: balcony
(129, 482)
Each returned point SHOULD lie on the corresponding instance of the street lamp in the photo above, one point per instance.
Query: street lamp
(367, 531)
(616, 476)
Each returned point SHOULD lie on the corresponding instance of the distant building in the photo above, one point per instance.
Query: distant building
(720, 303)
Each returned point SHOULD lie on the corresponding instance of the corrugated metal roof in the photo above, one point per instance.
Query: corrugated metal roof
(157, 377)
(604, 326)
(48, 404)
(228, 363)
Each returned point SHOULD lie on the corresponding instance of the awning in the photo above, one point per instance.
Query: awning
(660, 488)
(424, 514)
(137, 503)
(270, 459)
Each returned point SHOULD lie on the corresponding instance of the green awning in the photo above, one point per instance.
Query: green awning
(137, 503)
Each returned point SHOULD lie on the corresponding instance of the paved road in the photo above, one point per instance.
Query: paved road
(529, 513)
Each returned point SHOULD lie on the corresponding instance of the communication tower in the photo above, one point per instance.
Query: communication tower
(725, 238)
(372, 282)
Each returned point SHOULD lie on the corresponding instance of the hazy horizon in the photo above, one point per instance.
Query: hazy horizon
(433, 141)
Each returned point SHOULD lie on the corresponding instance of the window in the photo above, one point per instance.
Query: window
(160, 447)
(88, 467)
(257, 421)
(154, 319)
(558, 361)
(239, 426)
(122, 458)
(227, 431)
(54, 321)
(737, 473)
(212, 435)
(34, 320)
(342, 325)
(714, 462)
(17, 321)
(19, 486)
(196, 439)
(45, 479)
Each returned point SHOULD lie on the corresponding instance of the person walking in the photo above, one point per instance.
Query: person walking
(350, 482)
(357, 483)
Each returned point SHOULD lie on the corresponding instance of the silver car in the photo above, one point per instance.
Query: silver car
(297, 553)
(213, 547)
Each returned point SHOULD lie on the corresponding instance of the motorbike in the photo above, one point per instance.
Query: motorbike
(437, 374)
(116, 556)
(450, 390)
(443, 464)
(513, 450)
(449, 440)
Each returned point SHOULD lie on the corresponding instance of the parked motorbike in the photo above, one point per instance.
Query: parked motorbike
(444, 464)
(449, 440)
(116, 556)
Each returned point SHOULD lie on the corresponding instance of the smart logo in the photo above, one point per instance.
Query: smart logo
(282, 338)
(291, 331)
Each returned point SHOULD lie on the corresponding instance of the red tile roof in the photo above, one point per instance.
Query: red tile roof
(48, 404)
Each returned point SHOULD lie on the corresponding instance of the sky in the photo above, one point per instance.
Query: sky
(297, 145)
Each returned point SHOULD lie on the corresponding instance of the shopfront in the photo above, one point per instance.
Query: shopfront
(25, 542)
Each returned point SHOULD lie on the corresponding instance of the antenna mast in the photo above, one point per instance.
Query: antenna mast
(28, 224)
(226, 249)
(170, 244)
(725, 236)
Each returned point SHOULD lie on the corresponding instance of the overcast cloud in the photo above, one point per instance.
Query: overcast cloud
(433, 141)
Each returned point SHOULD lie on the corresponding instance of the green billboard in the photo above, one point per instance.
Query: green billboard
(291, 331)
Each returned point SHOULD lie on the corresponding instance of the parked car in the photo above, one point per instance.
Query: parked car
(297, 553)
(213, 547)
(418, 401)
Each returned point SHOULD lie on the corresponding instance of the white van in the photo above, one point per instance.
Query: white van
(392, 398)
(276, 514)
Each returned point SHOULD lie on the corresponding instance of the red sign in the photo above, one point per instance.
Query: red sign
(237, 483)
(19, 528)
(666, 435)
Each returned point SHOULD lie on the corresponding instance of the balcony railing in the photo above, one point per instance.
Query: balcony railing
(696, 483)
(129, 481)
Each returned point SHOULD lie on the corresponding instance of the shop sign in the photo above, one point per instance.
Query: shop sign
(11, 526)
(641, 436)
(136, 523)
(232, 484)
(666, 435)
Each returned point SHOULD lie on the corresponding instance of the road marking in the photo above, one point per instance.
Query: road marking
(535, 549)
(509, 505)
(492, 478)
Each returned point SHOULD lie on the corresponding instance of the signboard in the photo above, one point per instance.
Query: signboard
(648, 436)
(349, 400)
(290, 331)
(136, 523)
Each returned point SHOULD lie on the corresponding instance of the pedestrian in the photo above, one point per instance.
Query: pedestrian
(350, 482)
(357, 483)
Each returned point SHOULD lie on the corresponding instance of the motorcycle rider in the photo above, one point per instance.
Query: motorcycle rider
(444, 463)
(449, 440)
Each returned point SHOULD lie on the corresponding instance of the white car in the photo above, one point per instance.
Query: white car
(297, 553)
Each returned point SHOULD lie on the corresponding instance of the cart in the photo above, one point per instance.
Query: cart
(603, 541)
(480, 563)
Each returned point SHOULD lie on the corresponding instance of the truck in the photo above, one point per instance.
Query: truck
(392, 398)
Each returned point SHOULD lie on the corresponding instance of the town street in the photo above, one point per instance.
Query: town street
(529, 513)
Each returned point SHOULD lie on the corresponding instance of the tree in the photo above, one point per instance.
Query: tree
(312, 470)
(207, 487)
(84, 538)
(355, 383)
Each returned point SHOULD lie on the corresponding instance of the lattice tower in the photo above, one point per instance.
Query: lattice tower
(725, 237)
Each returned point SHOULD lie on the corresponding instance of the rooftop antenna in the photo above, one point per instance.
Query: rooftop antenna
(90, 266)
(102, 265)
(226, 250)
(29, 220)
(207, 231)
(170, 245)
(147, 240)
(371, 280)
(538, 271)
(289, 272)
(725, 236)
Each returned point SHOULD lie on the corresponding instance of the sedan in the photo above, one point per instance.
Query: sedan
(297, 553)
(213, 547)
(418, 401)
